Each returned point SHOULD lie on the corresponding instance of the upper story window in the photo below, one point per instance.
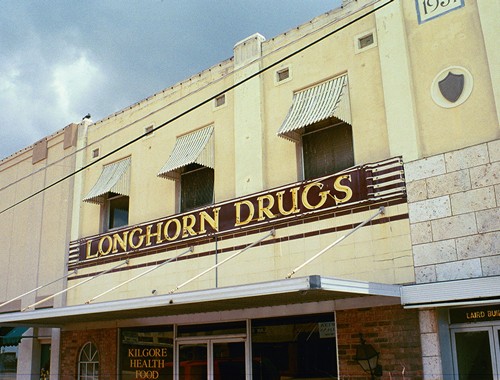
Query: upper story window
(88, 362)
(116, 211)
(220, 100)
(111, 191)
(191, 164)
(327, 148)
(283, 75)
(149, 131)
(365, 41)
(197, 187)
(319, 120)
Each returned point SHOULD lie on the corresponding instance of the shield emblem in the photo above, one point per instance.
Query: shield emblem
(452, 86)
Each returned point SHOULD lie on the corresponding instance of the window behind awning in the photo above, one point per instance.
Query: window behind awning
(193, 148)
(323, 101)
(114, 178)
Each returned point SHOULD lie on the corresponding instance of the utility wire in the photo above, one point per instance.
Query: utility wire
(191, 109)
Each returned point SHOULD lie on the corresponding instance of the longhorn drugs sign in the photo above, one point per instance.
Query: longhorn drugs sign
(279, 204)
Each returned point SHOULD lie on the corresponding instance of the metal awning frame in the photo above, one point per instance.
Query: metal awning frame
(473, 291)
(258, 294)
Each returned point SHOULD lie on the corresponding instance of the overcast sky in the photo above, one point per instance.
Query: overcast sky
(62, 59)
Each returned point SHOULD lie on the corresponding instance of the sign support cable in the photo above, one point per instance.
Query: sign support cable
(140, 274)
(271, 233)
(37, 288)
(74, 286)
(380, 211)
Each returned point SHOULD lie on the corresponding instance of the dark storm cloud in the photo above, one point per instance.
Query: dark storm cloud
(63, 59)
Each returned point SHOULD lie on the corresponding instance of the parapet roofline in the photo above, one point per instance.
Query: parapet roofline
(335, 15)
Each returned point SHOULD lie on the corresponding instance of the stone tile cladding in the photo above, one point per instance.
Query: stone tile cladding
(73, 341)
(454, 209)
(392, 331)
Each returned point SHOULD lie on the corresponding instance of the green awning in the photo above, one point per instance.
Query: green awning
(13, 337)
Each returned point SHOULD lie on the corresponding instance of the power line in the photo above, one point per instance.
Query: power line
(191, 109)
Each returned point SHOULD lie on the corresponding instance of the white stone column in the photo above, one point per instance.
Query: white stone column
(248, 117)
(28, 362)
(429, 339)
(55, 348)
(402, 125)
(488, 14)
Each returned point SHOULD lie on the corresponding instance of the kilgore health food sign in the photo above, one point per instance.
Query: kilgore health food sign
(343, 189)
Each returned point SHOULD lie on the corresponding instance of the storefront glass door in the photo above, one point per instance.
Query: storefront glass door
(193, 361)
(477, 353)
(211, 359)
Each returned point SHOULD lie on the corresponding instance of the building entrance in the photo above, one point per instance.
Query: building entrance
(476, 352)
(291, 347)
(211, 351)
(211, 359)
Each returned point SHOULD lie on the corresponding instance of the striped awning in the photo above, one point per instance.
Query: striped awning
(193, 148)
(115, 178)
(315, 104)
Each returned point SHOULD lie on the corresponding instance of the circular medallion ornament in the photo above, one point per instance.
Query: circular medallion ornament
(452, 86)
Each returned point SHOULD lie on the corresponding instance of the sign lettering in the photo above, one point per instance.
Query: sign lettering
(268, 208)
(475, 314)
(147, 362)
(281, 204)
(429, 9)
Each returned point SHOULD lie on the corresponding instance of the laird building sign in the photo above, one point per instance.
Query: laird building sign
(475, 314)
(353, 186)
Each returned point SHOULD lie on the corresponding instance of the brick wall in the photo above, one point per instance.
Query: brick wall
(392, 331)
(73, 341)
(454, 208)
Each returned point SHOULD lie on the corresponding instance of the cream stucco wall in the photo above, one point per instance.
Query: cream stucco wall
(413, 126)
(454, 39)
(378, 253)
(34, 221)
(392, 112)
(151, 196)
(333, 56)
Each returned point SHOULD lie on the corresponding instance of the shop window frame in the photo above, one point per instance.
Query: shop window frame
(94, 363)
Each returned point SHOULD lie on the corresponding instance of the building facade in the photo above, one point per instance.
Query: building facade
(35, 230)
(316, 201)
(453, 200)
(454, 210)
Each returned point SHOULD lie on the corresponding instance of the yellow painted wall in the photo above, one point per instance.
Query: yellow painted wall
(454, 39)
(379, 253)
(392, 112)
(151, 196)
(34, 230)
